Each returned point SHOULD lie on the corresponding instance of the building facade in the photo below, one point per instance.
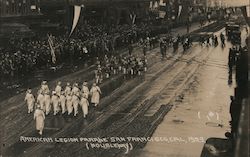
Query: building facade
(19, 7)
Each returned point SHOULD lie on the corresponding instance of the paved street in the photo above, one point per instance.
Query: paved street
(195, 82)
(203, 104)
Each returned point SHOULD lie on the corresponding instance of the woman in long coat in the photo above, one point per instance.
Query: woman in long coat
(95, 92)
(40, 100)
(39, 116)
(69, 104)
(55, 102)
(75, 101)
(47, 101)
(84, 103)
(85, 89)
(30, 100)
(63, 102)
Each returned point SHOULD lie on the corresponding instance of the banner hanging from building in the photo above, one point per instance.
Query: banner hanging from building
(77, 12)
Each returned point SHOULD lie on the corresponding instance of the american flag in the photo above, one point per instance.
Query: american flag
(52, 48)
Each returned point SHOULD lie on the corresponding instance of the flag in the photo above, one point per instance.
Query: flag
(132, 18)
(77, 12)
(52, 48)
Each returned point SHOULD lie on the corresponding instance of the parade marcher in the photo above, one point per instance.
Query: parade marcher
(69, 104)
(98, 74)
(47, 101)
(58, 88)
(44, 87)
(55, 102)
(75, 89)
(208, 41)
(39, 117)
(175, 44)
(40, 99)
(67, 90)
(216, 40)
(144, 49)
(30, 100)
(222, 38)
(84, 104)
(85, 89)
(75, 102)
(62, 100)
(95, 92)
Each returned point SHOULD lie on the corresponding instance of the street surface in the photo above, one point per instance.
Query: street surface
(204, 102)
(191, 86)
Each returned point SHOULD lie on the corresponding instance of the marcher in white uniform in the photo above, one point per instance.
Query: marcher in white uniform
(44, 87)
(58, 88)
(69, 104)
(75, 101)
(84, 104)
(85, 89)
(67, 90)
(47, 101)
(75, 89)
(95, 92)
(63, 102)
(40, 100)
(55, 102)
(30, 100)
(39, 117)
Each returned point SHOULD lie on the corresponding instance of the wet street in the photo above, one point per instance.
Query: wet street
(188, 91)
(200, 114)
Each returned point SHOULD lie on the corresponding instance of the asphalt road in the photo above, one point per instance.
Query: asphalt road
(200, 116)
(163, 76)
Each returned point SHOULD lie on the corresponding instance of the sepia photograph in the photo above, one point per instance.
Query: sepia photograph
(124, 78)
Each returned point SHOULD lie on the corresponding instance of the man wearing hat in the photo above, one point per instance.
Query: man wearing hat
(85, 89)
(39, 117)
(30, 100)
(55, 102)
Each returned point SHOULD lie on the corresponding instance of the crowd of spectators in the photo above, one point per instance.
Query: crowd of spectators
(23, 56)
